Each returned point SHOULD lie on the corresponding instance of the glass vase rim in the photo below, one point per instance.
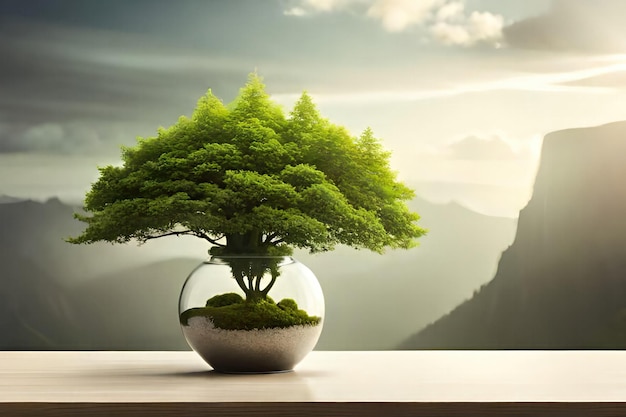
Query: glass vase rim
(252, 256)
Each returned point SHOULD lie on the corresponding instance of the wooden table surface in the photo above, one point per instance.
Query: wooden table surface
(395, 383)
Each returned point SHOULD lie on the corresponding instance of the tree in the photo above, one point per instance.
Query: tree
(251, 181)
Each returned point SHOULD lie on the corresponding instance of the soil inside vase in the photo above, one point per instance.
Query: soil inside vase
(257, 350)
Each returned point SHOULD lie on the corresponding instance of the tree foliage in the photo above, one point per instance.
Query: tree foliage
(250, 180)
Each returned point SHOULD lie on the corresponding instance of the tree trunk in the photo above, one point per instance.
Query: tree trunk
(249, 243)
(249, 274)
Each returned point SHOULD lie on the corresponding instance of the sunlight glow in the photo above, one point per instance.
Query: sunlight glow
(548, 82)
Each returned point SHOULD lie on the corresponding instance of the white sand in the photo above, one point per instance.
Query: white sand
(257, 349)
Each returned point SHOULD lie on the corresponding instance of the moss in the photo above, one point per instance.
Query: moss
(264, 314)
(223, 300)
(287, 304)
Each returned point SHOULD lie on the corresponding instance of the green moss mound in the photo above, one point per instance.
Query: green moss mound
(231, 312)
(223, 300)
(287, 304)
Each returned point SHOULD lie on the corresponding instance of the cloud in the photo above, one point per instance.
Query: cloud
(592, 26)
(478, 27)
(487, 147)
(451, 11)
(308, 7)
(444, 21)
(398, 15)
(481, 148)
(487, 153)
(295, 11)
(69, 138)
(69, 89)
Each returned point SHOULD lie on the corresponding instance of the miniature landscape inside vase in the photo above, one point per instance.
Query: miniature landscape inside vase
(242, 328)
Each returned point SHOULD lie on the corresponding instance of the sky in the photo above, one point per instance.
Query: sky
(461, 91)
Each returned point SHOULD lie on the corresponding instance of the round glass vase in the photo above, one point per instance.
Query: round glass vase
(251, 314)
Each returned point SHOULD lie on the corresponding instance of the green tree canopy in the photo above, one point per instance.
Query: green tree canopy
(251, 180)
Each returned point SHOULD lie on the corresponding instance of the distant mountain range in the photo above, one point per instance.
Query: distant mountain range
(8, 199)
(562, 284)
(54, 295)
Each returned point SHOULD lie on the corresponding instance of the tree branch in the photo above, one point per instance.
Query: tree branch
(269, 237)
(269, 286)
(187, 233)
(207, 237)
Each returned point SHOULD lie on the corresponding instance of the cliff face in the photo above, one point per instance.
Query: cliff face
(562, 284)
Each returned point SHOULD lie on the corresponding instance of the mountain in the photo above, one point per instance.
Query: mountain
(54, 295)
(48, 293)
(134, 309)
(562, 283)
(35, 313)
(5, 199)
